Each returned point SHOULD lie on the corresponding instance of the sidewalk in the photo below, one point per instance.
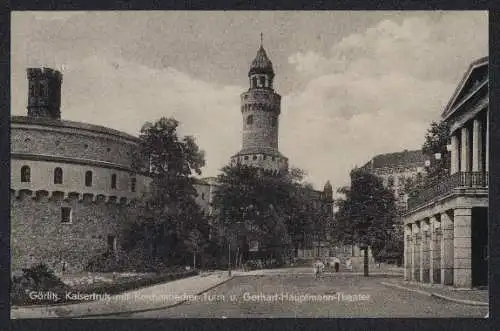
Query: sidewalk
(150, 298)
(465, 296)
(308, 271)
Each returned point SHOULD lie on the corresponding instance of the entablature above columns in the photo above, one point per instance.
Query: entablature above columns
(479, 198)
(459, 121)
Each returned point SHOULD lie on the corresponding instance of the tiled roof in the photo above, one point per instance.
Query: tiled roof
(404, 158)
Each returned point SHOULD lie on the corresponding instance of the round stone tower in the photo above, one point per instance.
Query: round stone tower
(44, 96)
(261, 107)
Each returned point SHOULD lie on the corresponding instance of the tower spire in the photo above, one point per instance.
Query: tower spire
(261, 39)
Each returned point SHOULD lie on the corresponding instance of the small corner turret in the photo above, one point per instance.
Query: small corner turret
(44, 93)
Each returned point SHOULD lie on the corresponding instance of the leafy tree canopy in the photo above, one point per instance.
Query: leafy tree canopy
(367, 213)
(436, 140)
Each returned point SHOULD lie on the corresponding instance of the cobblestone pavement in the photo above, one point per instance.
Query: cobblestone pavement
(283, 293)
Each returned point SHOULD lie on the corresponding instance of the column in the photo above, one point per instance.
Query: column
(424, 251)
(462, 255)
(407, 252)
(432, 222)
(435, 250)
(465, 150)
(416, 252)
(446, 249)
(477, 146)
(455, 160)
(413, 251)
(487, 139)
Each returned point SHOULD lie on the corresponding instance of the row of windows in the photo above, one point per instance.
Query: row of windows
(264, 157)
(58, 178)
(401, 179)
(261, 81)
(274, 120)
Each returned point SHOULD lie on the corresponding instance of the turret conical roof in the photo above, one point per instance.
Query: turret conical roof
(261, 63)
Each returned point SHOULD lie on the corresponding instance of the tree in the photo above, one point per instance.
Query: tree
(253, 203)
(168, 214)
(367, 214)
(436, 141)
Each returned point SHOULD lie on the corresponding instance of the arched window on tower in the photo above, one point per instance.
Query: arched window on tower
(262, 81)
(88, 178)
(41, 89)
(250, 120)
(254, 82)
(25, 174)
(58, 176)
(113, 181)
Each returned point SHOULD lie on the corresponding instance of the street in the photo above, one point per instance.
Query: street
(298, 294)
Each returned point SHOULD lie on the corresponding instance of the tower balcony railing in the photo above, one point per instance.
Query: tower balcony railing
(472, 180)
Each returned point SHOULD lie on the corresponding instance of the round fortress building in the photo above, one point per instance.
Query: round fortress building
(72, 183)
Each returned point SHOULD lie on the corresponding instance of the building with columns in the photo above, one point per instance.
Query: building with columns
(446, 225)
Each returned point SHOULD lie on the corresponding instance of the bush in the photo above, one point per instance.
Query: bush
(20, 291)
(37, 278)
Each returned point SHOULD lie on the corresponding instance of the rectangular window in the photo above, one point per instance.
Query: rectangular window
(133, 182)
(112, 243)
(66, 215)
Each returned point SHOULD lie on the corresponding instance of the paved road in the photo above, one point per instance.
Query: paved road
(240, 298)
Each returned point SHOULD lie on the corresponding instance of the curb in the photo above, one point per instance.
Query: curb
(437, 295)
(121, 313)
(407, 289)
(465, 302)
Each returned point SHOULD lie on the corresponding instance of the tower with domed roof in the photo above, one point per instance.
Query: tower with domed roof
(261, 107)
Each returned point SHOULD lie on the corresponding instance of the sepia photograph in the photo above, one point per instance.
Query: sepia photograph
(249, 164)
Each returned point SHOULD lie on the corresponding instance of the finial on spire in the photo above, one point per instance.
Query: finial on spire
(261, 38)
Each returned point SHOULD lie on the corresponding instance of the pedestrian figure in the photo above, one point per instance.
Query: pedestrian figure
(348, 264)
(318, 267)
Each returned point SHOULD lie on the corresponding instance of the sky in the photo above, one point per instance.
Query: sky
(353, 84)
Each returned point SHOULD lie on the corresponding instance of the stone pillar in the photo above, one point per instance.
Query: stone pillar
(477, 146)
(487, 139)
(465, 150)
(424, 251)
(435, 250)
(446, 249)
(413, 251)
(455, 160)
(416, 251)
(407, 252)
(462, 255)
(432, 222)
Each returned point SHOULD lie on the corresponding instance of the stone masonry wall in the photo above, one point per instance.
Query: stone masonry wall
(38, 235)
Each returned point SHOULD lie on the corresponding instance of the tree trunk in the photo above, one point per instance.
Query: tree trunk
(194, 260)
(365, 262)
(236, 264)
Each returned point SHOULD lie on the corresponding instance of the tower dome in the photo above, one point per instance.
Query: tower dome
(261, 64)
